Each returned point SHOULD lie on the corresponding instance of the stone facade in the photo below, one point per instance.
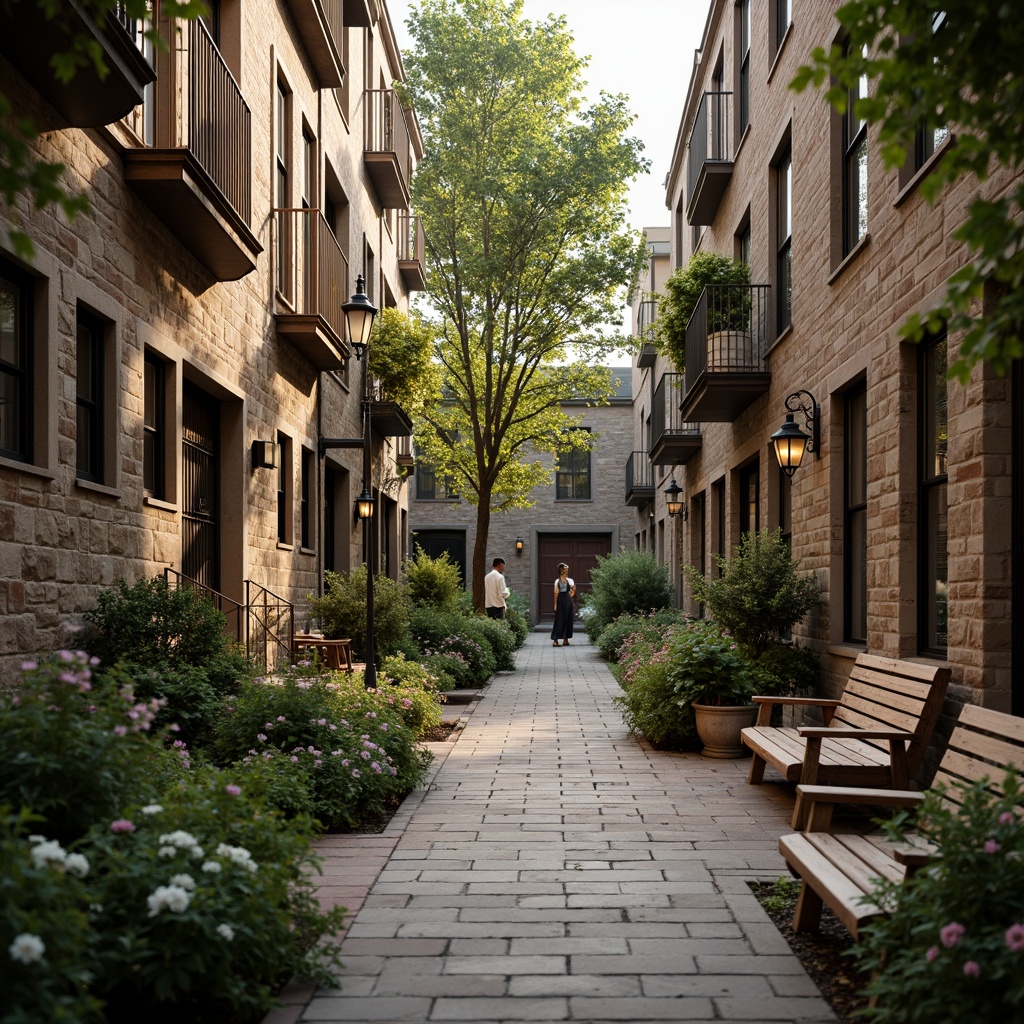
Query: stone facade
(849, 298)
(213, 321)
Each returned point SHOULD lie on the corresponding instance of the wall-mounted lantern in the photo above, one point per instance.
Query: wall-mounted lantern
(519, 545)
(266, 455)
(789, 440)
(675, 504)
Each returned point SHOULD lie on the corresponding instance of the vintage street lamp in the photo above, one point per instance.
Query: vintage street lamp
(789, 440)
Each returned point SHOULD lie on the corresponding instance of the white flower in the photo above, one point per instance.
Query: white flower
(151, 809)
(167, 851)
(185, 881)
(46, 851)
(226, 931)
(237, 855)
(179, 838)
(211, 866)
(168, 897)
(77, 864)
(27, 948)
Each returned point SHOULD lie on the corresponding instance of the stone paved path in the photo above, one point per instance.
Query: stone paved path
(556, 869)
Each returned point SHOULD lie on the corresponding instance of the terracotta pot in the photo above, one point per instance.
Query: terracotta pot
(731, 350)
(719, 727)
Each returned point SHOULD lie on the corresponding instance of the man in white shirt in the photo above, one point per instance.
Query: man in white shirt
(495, 590)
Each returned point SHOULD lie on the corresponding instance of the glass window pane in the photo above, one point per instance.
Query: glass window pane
(10, 349)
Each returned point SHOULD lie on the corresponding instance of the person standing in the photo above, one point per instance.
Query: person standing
(565, 610)
(495, 590)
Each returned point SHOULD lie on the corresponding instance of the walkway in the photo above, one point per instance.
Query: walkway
(555, 869)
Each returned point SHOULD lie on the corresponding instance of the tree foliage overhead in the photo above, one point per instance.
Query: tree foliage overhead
(958, 64)
(523, 197)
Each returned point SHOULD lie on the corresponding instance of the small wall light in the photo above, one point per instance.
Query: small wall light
(359, 313)
(266, 455)
(673, 502)
(364, 505)
(519, 545)
(789, 440)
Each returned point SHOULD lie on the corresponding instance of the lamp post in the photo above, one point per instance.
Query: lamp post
(359, 313)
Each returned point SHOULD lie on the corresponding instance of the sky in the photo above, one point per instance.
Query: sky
(643, 49)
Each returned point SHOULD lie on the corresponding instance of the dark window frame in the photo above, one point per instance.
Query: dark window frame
(18, 376)
(154, 419)
(784, 239)
(855, 169)
(306, 498)
(743, 68)
(933, 535)
(855, 514)
(576, 476)
(89, 405)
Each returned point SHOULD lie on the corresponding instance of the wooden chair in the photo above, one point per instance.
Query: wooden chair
(876, 734)
(839, 869)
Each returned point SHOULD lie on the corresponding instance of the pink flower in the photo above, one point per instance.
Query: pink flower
(233, 790)
(991, 846)
(972, 969)
(120, 730)
(1015, 938)
(933, 952)
(1007, 818)
(951, 934)
(122, 825)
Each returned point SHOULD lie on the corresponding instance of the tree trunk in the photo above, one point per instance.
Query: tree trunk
(481, 563)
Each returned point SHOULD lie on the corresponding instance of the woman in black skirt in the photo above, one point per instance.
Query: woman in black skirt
(565, 611)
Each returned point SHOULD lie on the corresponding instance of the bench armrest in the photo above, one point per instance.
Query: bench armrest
(818, 802)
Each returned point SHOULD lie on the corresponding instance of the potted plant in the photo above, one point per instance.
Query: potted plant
(711, 673)
(728, 309)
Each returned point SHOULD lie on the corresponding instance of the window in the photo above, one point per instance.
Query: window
(281, 188)
(16, 300)
(306, 469)
(572, 475)
(784, 244)
(153, 427)
(855, 516)
(934, 435)
(307, 201)
(929, 139)
(428, 489)
(855, 168)
(783, 17)
(743, 242)
(89, 398)
(284, 491)
(718, 503)
(750, 498)
(743, 14)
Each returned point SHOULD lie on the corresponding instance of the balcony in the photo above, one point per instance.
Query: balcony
(312, 283)
(726, 342)
(411, 252)
(639, 480)
(87, 100)
(647, 313)
(709, 160)
(320, 24)
(360, 13)
(388, 418)
(404, 455)
(387, 149)
(194, 172)
(673, 441)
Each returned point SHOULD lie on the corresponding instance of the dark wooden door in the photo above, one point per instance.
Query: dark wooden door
(200, 444)
(580, 551)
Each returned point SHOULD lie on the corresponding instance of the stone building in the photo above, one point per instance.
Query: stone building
(172, 359)
(908, 510)
(579, 517)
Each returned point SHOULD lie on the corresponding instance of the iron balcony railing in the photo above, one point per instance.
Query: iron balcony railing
(312, 270)
(639, 476)
(710, 138)
(647, 313)
(386, 129)
(666, 420)
(334, 18)
(411, 240)
(727, 332)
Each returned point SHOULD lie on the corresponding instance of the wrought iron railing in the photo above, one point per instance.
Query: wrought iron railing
(639, 473)
(270, 626)
(386, 129)
(710, 138)
(411, 240)
(647, 313)
(666, 420)
(727, 331)
(232, 610)
(312, 269)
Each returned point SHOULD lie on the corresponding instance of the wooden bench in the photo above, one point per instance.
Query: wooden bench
(875, 735)
(333, 652)
(838, 869)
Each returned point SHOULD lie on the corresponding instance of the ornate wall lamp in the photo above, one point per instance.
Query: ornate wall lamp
(789, 440)
(675, 505)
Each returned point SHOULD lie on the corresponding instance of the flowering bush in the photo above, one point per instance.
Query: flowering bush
(411, 690)
(461, 638)
(641, 633)
(627, 582)
(356, 749)
(952, 947)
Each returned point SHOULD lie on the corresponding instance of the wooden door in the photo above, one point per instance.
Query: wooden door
(580, 551)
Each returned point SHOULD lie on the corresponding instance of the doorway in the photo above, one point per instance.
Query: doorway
(580, 551)
(200, 454)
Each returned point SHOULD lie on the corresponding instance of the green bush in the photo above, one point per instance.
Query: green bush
(757, 595)
(450, 666)
(498, 633)
(435, 582)
(459, 637)
(629, 582)
(648, 708)
(952, 946)
(519, 623)
(785, 669)
(611, 639)
(342, 611)
(707, 666)
(411, 689)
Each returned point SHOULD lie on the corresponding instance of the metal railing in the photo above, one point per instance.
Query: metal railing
(312, 269)
(386, 129)
(710, 138)
(666, 420)
(269, 627)
(727, 332)
(334, 18)
(232, 610)
(647, 313)
(411, 240)
(639, 473)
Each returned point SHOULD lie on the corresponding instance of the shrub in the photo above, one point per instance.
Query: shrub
(452, 666)
(342, 611)
(757, 595)
(952, 947)
(628, 582)
(459, 637)
(623, 628)
(519, 623)
(435, 582)
(785, 669)
(411, 690)
(648, 707)
(707, 666)
(498, 634)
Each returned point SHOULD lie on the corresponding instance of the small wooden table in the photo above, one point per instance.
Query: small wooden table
(333, 652)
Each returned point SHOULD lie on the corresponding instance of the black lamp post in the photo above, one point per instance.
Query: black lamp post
(359, 313)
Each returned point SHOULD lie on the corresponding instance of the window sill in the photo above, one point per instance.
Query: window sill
(98, 488)
(780, 338)
(307, 551)
(27, 468)
(846, 650)
(164, 506)
(849, 258)
(282, 546)
(776, 60)
(922, 172)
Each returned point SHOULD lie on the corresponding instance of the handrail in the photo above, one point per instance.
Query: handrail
(639, 472)
(411, 240)
(177, 580)
(386, 129)
(269, 625)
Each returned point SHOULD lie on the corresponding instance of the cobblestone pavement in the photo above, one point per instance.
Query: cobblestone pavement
(556, 869)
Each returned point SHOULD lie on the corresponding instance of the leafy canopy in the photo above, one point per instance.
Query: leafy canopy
(523, 197)
(960, 68)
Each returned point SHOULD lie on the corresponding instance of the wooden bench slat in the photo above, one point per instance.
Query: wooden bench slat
(909, 669)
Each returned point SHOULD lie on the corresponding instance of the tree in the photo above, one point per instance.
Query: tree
(523, 199)
(20, 170)
(955, 64)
